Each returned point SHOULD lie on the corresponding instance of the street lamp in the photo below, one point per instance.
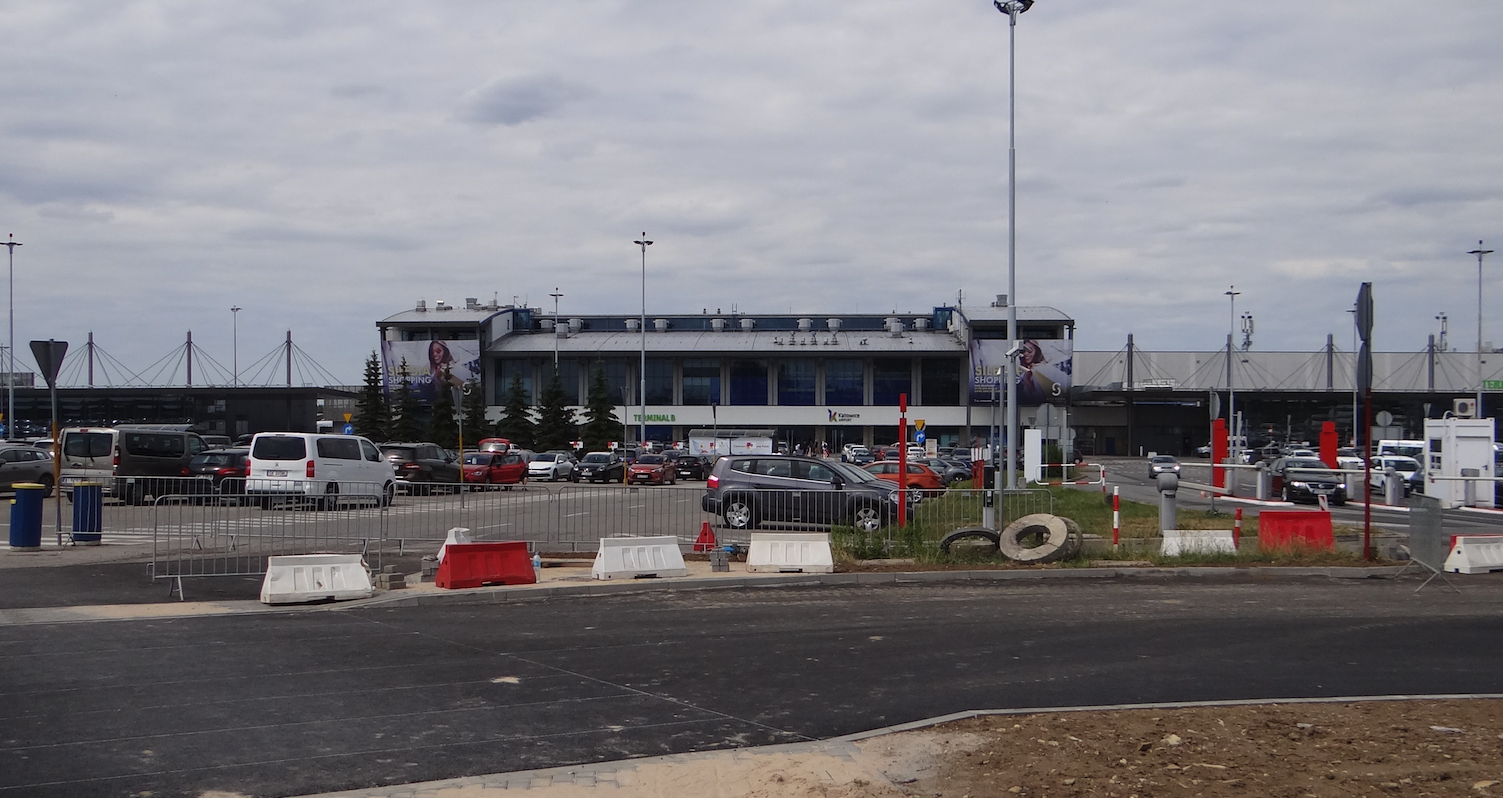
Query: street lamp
(555, 296)
(10, 379)
(642, 367)
(235, 344)
(1231, 394)
(1012, 8)
(1479, 252)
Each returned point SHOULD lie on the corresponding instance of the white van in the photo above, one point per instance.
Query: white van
(88, 455)
(326, 467)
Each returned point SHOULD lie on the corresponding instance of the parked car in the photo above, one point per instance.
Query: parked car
(1162, 464)
(218, 441)
(552, 466)
(919, 476)
(495, 468)
(220, 472)
(692, 466)
(949, 471)
(748, 490)
(600, 467)
(1407, 469)
(1298, 479)
(420, 466)
(318, 466)
(652, 469)
(22, 463)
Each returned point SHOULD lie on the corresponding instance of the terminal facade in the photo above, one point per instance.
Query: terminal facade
(826, 378)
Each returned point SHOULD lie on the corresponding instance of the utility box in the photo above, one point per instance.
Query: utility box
(1455, 448)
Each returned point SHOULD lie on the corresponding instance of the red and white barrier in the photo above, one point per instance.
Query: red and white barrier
(1117, 515)
(1099, 480)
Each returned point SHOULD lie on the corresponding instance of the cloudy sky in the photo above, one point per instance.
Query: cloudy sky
(325, 165)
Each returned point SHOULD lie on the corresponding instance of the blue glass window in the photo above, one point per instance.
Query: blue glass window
(505, 369)
(941, 384)
(845, 382)
(796, 382)
(748, 382)
(890, 377)
(659, 381)
(702, 381)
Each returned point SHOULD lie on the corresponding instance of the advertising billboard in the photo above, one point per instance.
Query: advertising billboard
(425, 364)
(1044, 369)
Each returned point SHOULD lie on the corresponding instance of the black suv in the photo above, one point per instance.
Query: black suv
(746, 490)
(420, 465)
(600, 467)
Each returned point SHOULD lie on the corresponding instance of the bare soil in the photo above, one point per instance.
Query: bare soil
(1411, 748)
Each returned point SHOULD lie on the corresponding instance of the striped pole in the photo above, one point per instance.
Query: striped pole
(1237, 531)
(1117, 516)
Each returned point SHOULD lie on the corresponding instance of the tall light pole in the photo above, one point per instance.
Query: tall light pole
(1012, 8)
(1231, 393)
(642, 367)
(235, 344)
(555, 295)
(1479, 252)
(10, 379)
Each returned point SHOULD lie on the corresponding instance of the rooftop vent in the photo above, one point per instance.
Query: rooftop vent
(575, 325)
(631, 325)
(422, 306)
(805, 325)
(920, 324)
(717, 324)
(472, 303)
(833, 324)
(747, 325)
(441, 305)
(661, 325)
(894, 326)
(1001, 301)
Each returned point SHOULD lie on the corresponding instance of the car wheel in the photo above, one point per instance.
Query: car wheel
(388, 494)
(1285, 496)
(739, 513)
(46, 483)
(867, 518)
(331, 497)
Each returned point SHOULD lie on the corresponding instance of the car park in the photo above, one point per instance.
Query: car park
(652, 469)
(126, 457)
(552, 466)
(495, 468)
(919, 476)
(600, 467)
(1299, 479)
(419, 466)
(220, 472)
(950, 471)
(1162, 464)
(749, 490)
(317, 467)
(20, 463)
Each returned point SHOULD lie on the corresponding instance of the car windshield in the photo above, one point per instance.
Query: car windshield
(545, 458)
(397, 452)
(1163, 459)
(650, 459)
(477, 458)
(1405, 464)
(212, 459)
(1307, 462)
(597, 457)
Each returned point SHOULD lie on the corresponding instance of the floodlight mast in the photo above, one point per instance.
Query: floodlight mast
(1012, 8)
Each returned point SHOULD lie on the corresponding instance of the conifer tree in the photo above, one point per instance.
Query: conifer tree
(476, 425)
(600, 423)
(516, 424)
(372, 415)
(407, 413)
(555, 427)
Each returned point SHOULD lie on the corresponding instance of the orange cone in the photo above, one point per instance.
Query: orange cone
(706, 539)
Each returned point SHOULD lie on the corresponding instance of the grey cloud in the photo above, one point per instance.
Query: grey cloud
(512, 101)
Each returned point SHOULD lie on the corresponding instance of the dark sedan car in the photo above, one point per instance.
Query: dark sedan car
(600, 467)
(421, 465)
(692, 466)
(746, 490)
(220, 472)
(1306, 479)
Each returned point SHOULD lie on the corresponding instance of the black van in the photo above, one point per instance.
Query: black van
(143, 451)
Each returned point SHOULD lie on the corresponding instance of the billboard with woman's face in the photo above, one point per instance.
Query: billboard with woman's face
(1044, 369)
(426, 362)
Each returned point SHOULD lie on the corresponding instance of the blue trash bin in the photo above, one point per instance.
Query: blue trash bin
(88, 513)
(26, 517)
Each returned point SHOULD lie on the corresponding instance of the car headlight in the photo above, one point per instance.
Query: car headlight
(1297, 484)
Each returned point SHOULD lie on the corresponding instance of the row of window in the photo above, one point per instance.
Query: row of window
(747, 381)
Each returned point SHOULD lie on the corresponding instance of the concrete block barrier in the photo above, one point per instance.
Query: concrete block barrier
(1475, 554)
(629, 558)
(1198, 541)
(790, 552)
(299, 578)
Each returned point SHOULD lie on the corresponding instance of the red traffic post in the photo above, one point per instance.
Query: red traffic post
(902, 460)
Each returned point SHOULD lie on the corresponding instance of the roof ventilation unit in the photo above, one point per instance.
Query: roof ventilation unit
(747, 325)
(472, 303)
(833, 324)
(717, 324)
(894, 326)
(422, 306)
(631, 325)
(661, 325)
(575, 325)
(920, 324)
(805, 325)
(1001, 301)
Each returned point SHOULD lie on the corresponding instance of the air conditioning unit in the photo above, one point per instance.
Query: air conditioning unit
(1464, 408)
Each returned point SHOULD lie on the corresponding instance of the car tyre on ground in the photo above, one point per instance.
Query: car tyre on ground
(739, 513)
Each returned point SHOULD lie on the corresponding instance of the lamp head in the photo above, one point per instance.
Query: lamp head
(1009, 7)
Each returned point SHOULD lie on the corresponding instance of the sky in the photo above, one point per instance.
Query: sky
(322, 166)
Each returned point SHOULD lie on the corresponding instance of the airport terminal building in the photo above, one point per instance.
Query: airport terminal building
(829, 378)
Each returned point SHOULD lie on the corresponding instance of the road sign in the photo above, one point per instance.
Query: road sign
(918, 424)
(49, 356)
(348, 416)
(349, 429)
(918, 437)
(1384, 418)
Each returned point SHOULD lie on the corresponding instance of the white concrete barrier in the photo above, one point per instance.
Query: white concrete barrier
(1198, 541)
(293, 579)
(790, 552)
(1475, 554)
(629, 558)
(458, 534)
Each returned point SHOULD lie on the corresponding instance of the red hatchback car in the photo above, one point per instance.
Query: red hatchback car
(652, 469)
(494, 468)
(920, 476)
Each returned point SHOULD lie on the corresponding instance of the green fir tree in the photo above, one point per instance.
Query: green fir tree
(476, 425)
(516, 424)
(372, 415)
(407, 412)
(600, 423)
(555, 427)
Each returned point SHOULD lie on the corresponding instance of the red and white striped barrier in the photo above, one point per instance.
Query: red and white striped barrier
(1099, 480)
(1117, 516)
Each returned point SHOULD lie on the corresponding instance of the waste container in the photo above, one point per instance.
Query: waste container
(88, 513)
(26, 517)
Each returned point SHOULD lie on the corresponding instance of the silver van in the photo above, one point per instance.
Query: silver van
(132, 461)
(318, 466)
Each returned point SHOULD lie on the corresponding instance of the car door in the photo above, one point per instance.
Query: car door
(821, 503)
(374, 469)
(11, 470)
(779, 494)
